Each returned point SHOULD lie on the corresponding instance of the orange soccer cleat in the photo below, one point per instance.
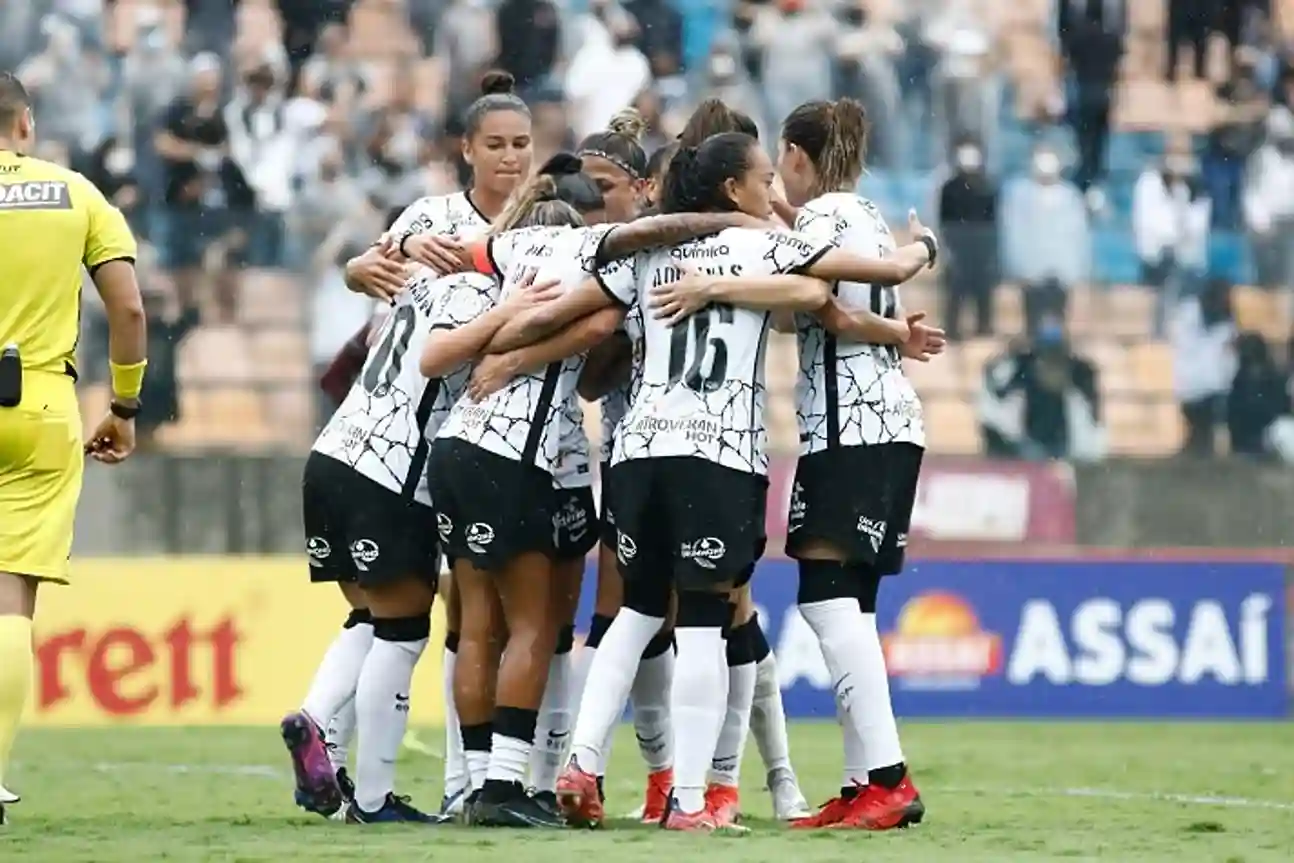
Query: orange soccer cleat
(656, 801)
(577, 795)
(724, 804)
(831, 813)
(880, 808)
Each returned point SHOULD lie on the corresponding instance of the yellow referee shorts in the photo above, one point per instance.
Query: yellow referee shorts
(41, 463)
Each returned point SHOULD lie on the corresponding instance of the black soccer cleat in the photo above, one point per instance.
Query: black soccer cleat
(394, 810)
(506, 804)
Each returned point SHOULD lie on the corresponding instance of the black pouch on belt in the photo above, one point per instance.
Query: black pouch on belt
(10, 377)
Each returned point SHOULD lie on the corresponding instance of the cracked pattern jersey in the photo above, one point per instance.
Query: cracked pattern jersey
(536, 418)
(701, 387)
(383, 426)
(449, 215)
(850, 393)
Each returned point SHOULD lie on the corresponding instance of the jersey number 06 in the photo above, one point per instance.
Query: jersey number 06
(694, 337)
(384, 365)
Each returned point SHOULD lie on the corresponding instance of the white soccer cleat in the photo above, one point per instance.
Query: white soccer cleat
(788, 801)
(7, 796)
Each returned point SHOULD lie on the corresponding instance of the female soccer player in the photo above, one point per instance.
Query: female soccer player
(692, 437)
(493, 469)
(855, 486)
(430, 231)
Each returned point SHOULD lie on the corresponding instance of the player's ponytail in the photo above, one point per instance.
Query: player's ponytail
(714, 117)
(834, 137)
(556, 195)
(619, 144)
(697, 177)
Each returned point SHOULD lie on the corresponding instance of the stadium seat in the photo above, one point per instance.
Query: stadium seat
(269, 297)
(1152, 367)
(215, 354)
(951, 426)
(281, 356)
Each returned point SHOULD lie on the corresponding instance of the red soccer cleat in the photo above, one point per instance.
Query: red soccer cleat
(831, 813)
(878, 808)
(577, 795)
(724, 804)
(657, 798)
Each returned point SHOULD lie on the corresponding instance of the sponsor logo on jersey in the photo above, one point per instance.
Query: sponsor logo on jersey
(35, 195)
(626, 548)
(443, 526)
(938, 643)
(797, 509)
(704, 552)
(318, 550)
(873, 529)
(478, 536)
(364, 552)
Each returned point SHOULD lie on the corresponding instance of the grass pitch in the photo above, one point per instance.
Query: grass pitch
(995, 792)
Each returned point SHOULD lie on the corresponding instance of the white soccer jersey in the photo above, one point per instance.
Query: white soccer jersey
(615, 404)
(384, 424)
(702, 386)
(849, 393)
(537, 417)
(447, 215)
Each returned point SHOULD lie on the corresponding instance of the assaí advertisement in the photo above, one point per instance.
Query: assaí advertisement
(184, 641)
(1058, 639)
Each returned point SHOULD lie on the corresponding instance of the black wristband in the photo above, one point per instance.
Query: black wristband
(404, 238)
(931, 246)
(124, 412)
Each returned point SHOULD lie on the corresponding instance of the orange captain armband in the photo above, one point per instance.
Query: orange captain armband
(481, 260)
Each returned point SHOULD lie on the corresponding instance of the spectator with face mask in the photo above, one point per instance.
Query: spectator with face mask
(1046, 237)
(1171, 214)
(1268, 201)
(1042, 401)
(968, 225)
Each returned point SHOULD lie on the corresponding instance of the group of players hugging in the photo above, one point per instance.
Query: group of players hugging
(648, 284)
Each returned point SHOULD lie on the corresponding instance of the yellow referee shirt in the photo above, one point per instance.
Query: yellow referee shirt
(52, 221)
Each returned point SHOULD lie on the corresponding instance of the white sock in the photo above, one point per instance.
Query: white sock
(650, 699)
(851, 647)
(725, 767)
(382, 711)
(607, 688)
(768, 717)
(855, 772)
(457, 776)
(341, 730)
(509, 759)
(698, 700)
(338, 673)
(582, 676)
(553, 730)
(478, 764)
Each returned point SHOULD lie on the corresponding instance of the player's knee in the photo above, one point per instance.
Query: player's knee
(17, 594)
(867, 585)
(825, 580)
(703, 610)
(648, 598)
(415, 627)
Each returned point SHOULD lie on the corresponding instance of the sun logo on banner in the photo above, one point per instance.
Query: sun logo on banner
(938, 643)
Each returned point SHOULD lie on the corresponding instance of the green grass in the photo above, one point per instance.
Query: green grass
(995, 792)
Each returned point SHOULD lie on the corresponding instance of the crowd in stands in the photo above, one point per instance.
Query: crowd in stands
(1113, 180)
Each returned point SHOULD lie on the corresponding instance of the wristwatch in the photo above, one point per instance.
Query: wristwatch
(124, 411)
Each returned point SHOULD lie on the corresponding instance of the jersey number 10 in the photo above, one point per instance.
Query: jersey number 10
(384, 365)
(693, 337)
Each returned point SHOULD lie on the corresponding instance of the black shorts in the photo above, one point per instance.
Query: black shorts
(489, 509)
(358, 531)
(858, 498)
(575, 527)
(688, 520)
(606, 524)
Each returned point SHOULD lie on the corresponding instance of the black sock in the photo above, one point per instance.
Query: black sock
(849, 792)
(888, 777)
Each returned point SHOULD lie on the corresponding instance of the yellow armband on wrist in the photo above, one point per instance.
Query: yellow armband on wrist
(127, 381)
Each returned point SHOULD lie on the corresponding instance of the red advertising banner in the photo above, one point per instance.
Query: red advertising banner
(964, 500)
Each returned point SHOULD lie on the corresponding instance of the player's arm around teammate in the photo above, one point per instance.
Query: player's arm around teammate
(52, 223)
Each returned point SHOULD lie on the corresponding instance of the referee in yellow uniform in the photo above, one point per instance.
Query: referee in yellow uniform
(53, 221)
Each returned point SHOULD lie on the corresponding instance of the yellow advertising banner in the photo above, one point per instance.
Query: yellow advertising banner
(192, 641)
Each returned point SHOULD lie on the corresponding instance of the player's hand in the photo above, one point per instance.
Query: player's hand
(674, 301)
(924, 341)
(920, 230)
(113, 441)
(528, 294)
(445, 255)
(375, 272)
(491, 374)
